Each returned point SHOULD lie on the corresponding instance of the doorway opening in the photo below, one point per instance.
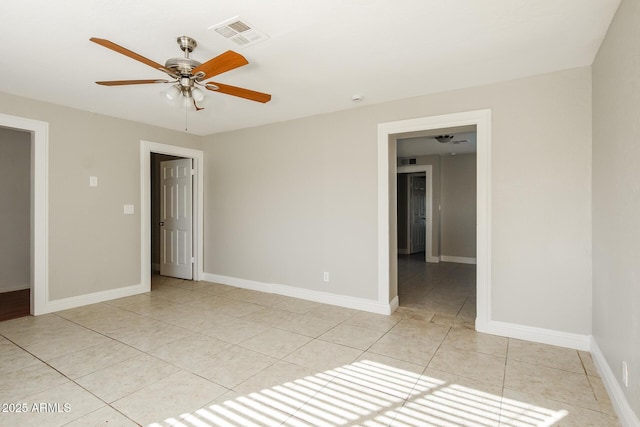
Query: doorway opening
(388, 134)
(412, 213)
(161, 246)
(15, 228)
(37, 136)
(180, 171)
(438, 277)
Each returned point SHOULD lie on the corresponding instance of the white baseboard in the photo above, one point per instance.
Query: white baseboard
(306, 294)
(394, 304)
(427, 258)
(13, 288)
(627, 417)
(94, 298)
(458, 259)
(539, 335)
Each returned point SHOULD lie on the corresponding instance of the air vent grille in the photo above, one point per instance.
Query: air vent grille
(239, 26)
(239, 32)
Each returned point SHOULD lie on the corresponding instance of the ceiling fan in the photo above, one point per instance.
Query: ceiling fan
(443, 139)
(188, 74)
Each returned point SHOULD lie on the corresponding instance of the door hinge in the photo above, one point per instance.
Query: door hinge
(193, 171)
(193, 259)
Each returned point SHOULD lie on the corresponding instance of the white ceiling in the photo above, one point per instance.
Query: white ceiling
(320, 52)
(462, 143)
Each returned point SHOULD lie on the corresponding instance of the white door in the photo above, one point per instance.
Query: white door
(417, 198)
(176, 220)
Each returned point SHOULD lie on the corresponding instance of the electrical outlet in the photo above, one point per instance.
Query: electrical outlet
(625, 374)
(326, 276)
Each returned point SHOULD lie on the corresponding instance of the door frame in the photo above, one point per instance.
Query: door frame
(146, 148)
(387, 202)
(39, 207)
(428, 171)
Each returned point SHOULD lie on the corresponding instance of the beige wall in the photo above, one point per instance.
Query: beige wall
(458, 205)
(616, 198)
(92, 246)
(290, 200)
(15, 225)
(287, 201)
(454, 190)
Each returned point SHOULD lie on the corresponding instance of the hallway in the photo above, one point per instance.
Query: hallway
(445, 289)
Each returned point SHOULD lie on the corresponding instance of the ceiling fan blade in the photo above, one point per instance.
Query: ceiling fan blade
(220, 64)
(124, 51)
(240, 92)
(130, 82)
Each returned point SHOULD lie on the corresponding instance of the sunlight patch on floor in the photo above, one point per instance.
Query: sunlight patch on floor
(369, 394)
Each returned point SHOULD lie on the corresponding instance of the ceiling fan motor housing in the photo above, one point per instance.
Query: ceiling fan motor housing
(443, 138)
(181, 66)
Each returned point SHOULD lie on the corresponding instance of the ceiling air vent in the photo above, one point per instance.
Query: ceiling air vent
(239, 32)
(405, 162)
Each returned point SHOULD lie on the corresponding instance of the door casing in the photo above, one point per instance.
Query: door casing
(428, 171)
(39, 208)
(417, 213)
(387, 230)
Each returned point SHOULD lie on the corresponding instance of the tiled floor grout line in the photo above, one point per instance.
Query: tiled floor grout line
(64, 375)
(150, 355)
(504, 379)
(277, 359)
(129, 358)
(424, 370)
(450, 328)
(368, 349)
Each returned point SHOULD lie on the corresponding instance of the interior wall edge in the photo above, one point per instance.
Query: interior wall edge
(620, 403)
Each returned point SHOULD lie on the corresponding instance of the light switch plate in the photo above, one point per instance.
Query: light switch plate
(93, 181)
(128, 209)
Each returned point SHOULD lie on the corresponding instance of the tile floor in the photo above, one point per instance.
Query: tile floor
(444, 288)
(202, 354)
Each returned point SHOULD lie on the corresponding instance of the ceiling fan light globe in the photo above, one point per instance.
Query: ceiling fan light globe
(198, 95)
(171, 95)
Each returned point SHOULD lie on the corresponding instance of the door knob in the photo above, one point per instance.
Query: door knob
(161, 223)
